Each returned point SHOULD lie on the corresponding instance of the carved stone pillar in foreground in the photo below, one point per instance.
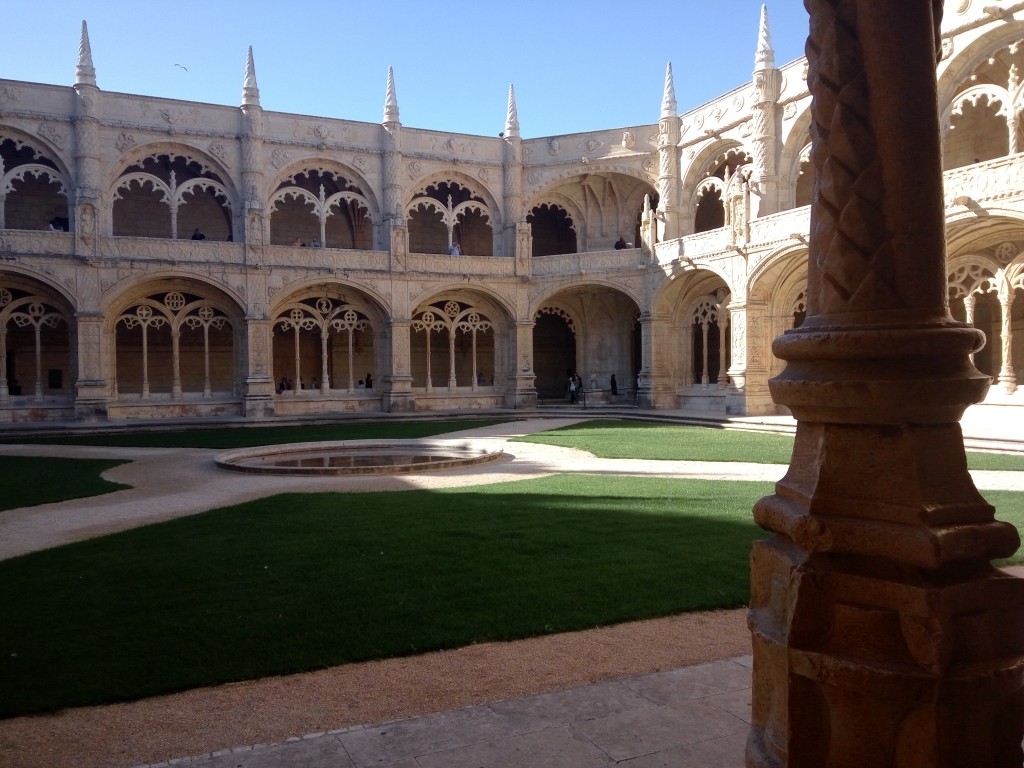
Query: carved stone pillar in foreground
(882, 635)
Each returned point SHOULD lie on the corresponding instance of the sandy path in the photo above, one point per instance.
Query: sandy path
(270, 710)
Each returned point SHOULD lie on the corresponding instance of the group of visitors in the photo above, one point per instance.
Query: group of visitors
(287, 385)
(575, 386)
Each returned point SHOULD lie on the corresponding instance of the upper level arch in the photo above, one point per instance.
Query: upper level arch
(35, 186)
(553, 226)
(452, 210)
(981, 99)
(956, 72)
(172, 191)
(604, 208)
(710, 174)
(322, 204)
(796, 168)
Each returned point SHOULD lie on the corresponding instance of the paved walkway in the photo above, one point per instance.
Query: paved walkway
(692, 716)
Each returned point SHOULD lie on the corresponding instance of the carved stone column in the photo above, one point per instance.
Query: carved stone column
(524, 249)
(1007, 376)
(90, 387)
(258, 399)
(398, 395)
(882, 635)
(523, 391)
(647, 372)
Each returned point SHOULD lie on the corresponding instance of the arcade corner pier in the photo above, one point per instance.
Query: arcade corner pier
(163, 258)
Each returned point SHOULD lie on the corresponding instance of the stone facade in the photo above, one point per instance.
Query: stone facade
(326, 252)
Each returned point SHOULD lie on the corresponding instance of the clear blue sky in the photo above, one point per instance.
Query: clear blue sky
(576, 66)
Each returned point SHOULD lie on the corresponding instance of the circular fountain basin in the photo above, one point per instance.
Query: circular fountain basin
(354, 457)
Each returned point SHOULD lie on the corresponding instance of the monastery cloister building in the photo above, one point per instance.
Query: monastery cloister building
(667, 255)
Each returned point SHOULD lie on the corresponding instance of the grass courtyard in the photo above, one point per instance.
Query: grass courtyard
(303, 581)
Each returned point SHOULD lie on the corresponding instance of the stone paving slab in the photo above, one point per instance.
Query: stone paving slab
(634, 722)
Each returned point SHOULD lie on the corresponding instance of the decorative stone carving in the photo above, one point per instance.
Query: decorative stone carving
(320, 132)
(279, 158)
(124, 141)
(9, 94)
(218, 150)
(1005, 252)
(52, 133)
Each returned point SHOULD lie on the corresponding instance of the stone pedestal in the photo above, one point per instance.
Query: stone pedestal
(398, 396)
(882, 635)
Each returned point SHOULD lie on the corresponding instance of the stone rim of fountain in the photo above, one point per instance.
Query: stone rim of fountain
(392, 457)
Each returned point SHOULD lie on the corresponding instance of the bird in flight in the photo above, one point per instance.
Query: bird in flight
(181, 67)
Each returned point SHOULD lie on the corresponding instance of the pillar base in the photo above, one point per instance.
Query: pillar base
(859, 664)
(90, 401)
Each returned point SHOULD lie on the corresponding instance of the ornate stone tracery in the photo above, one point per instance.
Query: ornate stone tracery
(174, 311)
(450, 318)
(328, 318)
(22, 310)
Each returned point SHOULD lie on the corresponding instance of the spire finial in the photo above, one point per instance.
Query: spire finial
(668, 101)
(85, 73)
(391, 100)
(765, 56)
(512, 117)
(250, 91)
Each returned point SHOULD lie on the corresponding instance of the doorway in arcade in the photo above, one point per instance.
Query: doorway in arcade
(593, 332)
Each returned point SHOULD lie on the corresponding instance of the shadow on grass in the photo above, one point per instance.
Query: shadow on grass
(27, 481)
(252, 436)
(299, 582)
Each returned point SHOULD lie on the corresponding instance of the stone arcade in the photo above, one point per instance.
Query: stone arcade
(882, 635)
(153, 262)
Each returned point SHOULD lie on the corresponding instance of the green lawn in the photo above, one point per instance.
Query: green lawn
(26, 481)
(624, 439)
(304, 581)
(246, 437)
(298, 582)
